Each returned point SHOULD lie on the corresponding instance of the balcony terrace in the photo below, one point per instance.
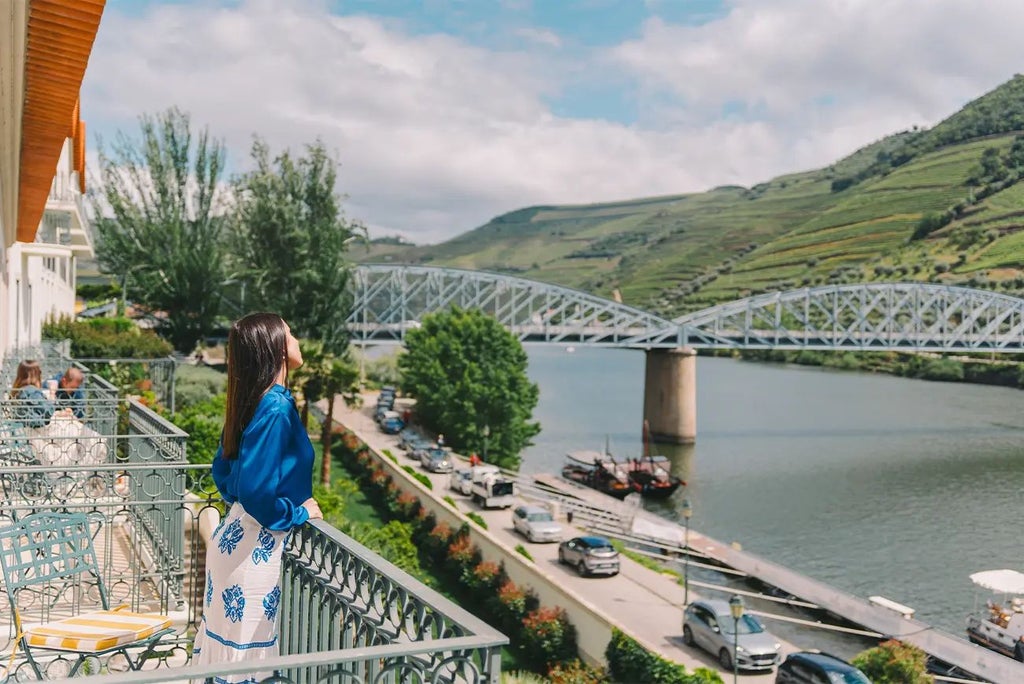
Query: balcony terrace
(347, 614)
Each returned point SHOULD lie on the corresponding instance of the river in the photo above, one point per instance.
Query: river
(874, 484)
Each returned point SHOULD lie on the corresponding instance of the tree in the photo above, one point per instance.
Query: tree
(290, 239)
(159, 218)
(323, 374)
(894, 662)
(468, 375)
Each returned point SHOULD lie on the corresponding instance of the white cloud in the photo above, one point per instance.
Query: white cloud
(540, 36)
(436, 135)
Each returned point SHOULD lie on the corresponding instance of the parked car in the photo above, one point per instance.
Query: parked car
(536, 524)
(392, 425)
(380, 411)
(589, 555)
(461, 480)
(709, 625)
(436, 460)
(419, 446)
(809, 667)
(408, 437)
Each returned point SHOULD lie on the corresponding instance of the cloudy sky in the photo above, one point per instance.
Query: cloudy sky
(445, 113)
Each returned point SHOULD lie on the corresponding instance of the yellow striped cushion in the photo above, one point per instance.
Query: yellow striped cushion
(96, 631)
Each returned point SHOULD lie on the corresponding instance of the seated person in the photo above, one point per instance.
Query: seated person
(70, 394)
(31, 407)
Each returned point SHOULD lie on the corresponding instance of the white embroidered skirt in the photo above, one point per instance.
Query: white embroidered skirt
(243, 593)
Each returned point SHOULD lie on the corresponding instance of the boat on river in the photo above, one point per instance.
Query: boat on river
(999, 626)
(598, 471)
(650, 476)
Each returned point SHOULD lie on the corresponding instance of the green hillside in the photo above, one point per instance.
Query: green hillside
(943, 205)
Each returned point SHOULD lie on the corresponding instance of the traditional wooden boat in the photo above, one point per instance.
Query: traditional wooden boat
(598, 471)
(651, 477)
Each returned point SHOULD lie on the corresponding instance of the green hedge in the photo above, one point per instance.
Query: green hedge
(107, 338)
(628, 661)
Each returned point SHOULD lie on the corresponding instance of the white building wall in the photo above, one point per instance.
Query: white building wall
(40, 277)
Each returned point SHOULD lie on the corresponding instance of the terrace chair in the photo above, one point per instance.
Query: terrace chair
(48, 559)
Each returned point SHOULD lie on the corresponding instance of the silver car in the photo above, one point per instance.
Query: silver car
(589, 555)
(536, 524)
(709, 625)
(436, 461)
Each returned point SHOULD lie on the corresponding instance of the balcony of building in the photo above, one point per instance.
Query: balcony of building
(348, 615)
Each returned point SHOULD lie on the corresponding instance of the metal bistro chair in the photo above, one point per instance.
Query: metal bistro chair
(50, 556)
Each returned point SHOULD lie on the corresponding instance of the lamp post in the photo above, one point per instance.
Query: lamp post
(736, 610)
(487, 433)
(687, 514)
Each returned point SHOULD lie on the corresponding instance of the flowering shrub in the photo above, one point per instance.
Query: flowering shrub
(463, 555)
(575, 672)
(548, 638)
(893, 661)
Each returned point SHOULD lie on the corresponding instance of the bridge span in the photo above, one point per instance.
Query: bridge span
(389, 300)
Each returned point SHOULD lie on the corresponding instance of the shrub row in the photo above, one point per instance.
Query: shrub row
(628, 661)
(544, 637)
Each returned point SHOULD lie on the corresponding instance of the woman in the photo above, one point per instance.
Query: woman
(264, 471)
(31, 406)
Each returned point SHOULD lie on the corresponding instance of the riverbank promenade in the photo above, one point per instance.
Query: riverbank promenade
(644, 603)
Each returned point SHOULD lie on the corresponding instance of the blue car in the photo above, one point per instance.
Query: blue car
(392, 426)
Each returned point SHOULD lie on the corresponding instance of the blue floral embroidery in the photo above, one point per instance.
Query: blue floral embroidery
(265, 544)
(234, 603)
(271, 602)
(230, 538)
(209, 587)
(220, 526)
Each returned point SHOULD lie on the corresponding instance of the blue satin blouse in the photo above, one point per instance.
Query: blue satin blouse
(273, 474)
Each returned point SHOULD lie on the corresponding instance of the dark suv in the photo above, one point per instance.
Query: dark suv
(807, 667)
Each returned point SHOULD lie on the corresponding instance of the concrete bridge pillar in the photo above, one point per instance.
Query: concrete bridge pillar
(670, 395)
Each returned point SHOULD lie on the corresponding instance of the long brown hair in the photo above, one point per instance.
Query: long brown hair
(257, 348)
(29, 373)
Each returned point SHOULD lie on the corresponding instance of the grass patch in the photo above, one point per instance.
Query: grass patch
(521, 550)
(450, 501)
(646, 561)
(387, 452)
(475, 517)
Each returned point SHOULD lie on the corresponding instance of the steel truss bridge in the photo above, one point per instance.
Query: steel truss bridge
(390, 300)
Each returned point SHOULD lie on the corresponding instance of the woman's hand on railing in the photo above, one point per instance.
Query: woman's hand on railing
(313, 508)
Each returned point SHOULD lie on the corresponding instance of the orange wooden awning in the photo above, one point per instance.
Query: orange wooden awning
(57, 49)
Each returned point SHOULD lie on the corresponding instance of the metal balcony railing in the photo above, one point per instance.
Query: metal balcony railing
(347, 614)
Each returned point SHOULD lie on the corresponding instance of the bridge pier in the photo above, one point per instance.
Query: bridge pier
(670, 395)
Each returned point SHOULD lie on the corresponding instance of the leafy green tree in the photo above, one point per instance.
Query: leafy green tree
(290, 238)
(159, 219)
(325, 375)
(894, 662)
(468, 375)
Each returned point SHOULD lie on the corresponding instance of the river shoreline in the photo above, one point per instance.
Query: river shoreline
(914, 365)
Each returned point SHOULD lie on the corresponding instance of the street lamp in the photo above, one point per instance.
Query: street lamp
(736, 610)
(487, 433)
(687, 514)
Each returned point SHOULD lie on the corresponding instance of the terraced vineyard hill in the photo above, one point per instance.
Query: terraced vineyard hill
(941, 205)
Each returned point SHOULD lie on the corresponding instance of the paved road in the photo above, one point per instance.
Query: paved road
(646, 603)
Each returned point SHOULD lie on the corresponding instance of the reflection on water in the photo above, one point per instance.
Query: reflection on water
(876, 484)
